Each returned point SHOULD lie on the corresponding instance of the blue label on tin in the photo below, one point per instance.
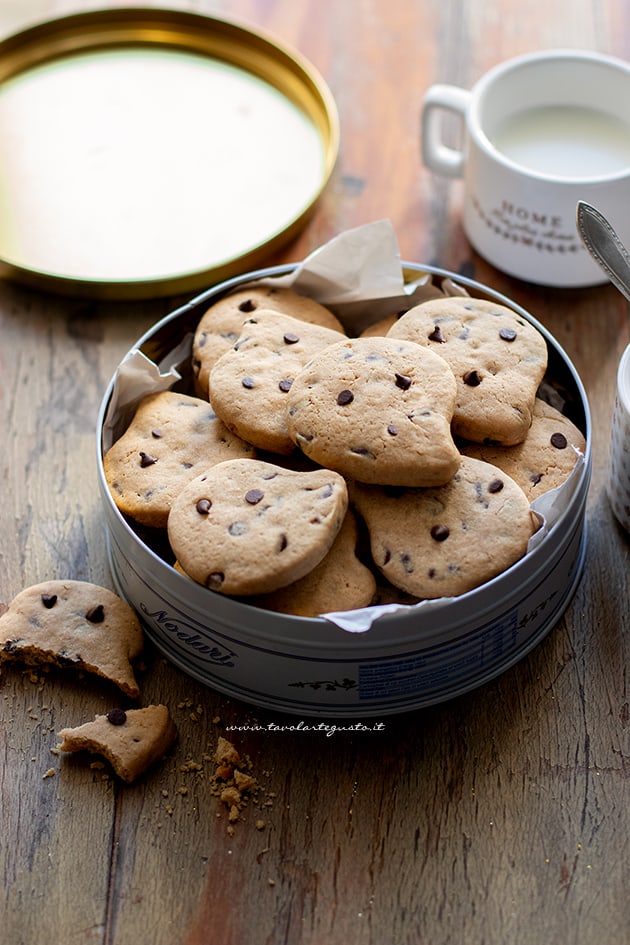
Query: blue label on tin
(444, 666)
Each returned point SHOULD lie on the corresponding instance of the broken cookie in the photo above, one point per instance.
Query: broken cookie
(130, 740)
(76, 624)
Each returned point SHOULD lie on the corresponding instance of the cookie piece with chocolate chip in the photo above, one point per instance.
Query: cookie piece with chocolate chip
(220, 326)
(498, 359)
(378, 410)
(249, 384)
(171, 439)
(131, 740)
(445, 541)
(545, 458)
(249, 527)
(73, 624)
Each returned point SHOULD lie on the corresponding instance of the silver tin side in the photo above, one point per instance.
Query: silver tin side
(408, 660)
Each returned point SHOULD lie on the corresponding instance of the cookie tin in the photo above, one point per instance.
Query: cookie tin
(148, 152)
(413, 657)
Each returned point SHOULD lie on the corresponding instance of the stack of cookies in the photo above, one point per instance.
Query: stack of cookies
(309, 471)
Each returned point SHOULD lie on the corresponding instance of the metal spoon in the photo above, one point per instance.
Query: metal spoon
(604, 246)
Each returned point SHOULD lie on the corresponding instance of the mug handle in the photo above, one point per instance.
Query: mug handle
(438, 156)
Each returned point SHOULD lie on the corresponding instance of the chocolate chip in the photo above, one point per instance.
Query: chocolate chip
(436, 335)
(507, 334)
(254, 496)
(147, 460)
(203, 506)
(96, 614)
(495, 485)
(407, 563)
(248, 382)
(431, 573)
(49, 600)
(472, 379)
(157, 434)
(290, 338)
(403, 381)
(345, 397)
(116, 716)
(535, 478)
(559, 440)
(392, 430)
(285, 384)
(440, 532)
(247, 306)
(282, 544)
(215, 580)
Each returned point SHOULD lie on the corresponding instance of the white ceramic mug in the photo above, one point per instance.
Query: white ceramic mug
(541, 132)
(618, 485)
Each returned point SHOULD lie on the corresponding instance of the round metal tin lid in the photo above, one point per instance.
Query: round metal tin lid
(148, 152)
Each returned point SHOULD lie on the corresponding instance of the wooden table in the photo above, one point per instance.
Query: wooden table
(499, 817)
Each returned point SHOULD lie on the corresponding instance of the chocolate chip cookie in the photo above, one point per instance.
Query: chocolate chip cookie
(130, 739)
(545, 458)
(220, 326)
(340, 582)
(249, 527)
(498, 359)
(249, 384)
(378, 410)
(73, 624)
(444, 541)
(171, 439)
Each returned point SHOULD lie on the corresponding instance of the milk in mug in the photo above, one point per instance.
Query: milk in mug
(569, 141)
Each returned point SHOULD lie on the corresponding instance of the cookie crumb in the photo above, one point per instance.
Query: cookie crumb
(236, 786)
(191, 765)
(49, 774)
(226, 753)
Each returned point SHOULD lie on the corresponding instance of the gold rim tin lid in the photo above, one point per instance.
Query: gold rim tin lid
(147, 152)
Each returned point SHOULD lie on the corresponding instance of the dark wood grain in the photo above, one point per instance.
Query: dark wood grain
(500, 817)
